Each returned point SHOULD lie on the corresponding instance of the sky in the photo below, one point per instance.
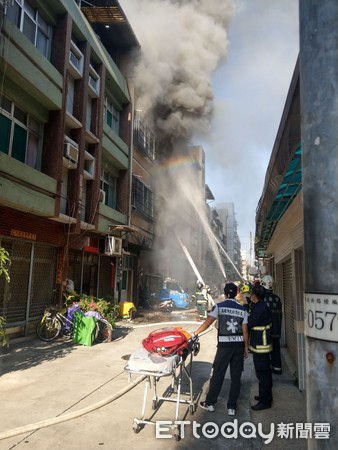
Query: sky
(216, 73)
(250, 92)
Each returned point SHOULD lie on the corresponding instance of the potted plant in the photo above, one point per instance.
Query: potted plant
(107, 309)
(4, 271)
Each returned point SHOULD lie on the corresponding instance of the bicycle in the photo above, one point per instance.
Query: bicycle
(54, 322)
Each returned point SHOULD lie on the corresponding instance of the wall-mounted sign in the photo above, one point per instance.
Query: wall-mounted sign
(89, 249)
(321, 316)
(23, 234)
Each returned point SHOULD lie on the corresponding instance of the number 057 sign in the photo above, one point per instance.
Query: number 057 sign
(321, 316)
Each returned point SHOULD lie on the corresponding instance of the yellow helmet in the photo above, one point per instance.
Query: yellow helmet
(245, 289)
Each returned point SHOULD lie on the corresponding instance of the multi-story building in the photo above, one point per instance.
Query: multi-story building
(226, 212)
(142, 217)
(78, 164)
(65, 152)
(280, 227)
(215, 257)
(181, 212)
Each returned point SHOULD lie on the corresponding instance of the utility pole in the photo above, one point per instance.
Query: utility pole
(319, 131)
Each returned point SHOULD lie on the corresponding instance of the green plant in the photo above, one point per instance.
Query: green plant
(5, 262)
(107, 309)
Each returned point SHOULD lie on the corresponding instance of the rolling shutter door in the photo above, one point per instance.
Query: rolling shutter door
(289, 311)
(32, 285)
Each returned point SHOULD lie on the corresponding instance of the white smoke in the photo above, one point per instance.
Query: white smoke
(182, 43)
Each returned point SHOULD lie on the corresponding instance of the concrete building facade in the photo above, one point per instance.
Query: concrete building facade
(65, 153)
(226, 212)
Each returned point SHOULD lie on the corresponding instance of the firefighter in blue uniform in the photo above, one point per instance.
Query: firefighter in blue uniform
(260, 344)
(232, 348)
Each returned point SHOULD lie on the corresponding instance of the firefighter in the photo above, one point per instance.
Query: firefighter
(260, 344)
(275, 304)
(245, 291)
(201, 300)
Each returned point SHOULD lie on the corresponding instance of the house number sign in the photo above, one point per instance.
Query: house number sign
(321, 316)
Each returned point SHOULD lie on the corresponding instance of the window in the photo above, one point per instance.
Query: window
(76, 61)
(108, 185)
(112, 115)
(31, 24)
(70, 95)
(20, 134)
(144, 138)
(142, 198)
(129, 262)
(93, 82)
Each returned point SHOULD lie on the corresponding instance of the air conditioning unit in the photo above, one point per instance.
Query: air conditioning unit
(113, 246)
(71, 152)
(102, 196)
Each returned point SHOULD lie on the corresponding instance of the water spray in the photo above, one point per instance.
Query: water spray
(187, 254)
(206, 226)
(233, 265)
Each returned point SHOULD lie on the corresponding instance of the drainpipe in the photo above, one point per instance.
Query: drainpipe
(131, 152)
(319, 130)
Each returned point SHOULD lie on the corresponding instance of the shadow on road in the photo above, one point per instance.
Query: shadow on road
(25, 355)
(121, 331)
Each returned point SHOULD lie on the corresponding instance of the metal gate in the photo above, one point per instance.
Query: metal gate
(32, 284)
(289, 311)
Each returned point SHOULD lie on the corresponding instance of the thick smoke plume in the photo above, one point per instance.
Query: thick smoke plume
(182, 41)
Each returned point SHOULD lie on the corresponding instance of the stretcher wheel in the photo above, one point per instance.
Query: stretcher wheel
(137, 427)
(197, 348)
(192, 409)
(176, 434)
(154, 404)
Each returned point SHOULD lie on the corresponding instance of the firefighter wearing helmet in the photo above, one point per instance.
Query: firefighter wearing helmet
(245, 291)
(275, 304)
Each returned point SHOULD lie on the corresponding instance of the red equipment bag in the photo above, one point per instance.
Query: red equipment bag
(166, 342)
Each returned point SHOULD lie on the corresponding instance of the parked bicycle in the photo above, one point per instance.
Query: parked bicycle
(54, 322)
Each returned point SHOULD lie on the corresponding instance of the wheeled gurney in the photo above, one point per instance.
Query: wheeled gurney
(155, 367)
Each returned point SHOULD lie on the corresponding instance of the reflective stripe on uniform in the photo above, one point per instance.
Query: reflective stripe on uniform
(230, 338)
(261, 349)
(262, 328)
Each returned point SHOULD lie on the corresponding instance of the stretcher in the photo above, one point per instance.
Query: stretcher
(155, 367)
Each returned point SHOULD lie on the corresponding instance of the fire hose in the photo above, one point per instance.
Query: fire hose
(70, 416)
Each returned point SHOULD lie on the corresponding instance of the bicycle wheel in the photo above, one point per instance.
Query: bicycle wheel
(103, 331)
(48, 328)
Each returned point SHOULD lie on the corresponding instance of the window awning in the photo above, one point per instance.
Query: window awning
(287, 191)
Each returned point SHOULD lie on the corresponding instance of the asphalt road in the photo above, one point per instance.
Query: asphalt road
(65, 396)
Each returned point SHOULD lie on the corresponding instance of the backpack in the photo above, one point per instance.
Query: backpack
(167, 341)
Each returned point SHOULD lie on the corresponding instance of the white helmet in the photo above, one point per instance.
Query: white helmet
(267, 282)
